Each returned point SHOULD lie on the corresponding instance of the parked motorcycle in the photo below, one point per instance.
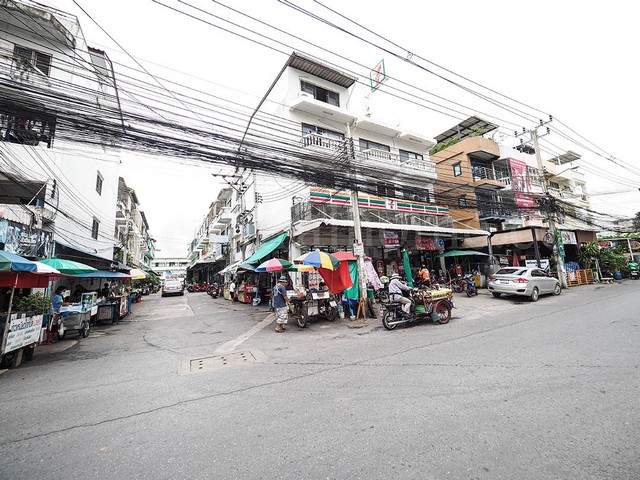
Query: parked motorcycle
(634, 274)
(430, 305)
(214, 290)
(469, 285)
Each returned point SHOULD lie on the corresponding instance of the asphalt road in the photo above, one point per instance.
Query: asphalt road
(191, 387)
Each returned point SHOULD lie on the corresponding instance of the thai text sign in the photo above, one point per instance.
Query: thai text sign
(391, 239)
(429, 243)
(23, 331)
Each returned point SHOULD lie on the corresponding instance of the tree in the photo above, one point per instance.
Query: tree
(636, 222)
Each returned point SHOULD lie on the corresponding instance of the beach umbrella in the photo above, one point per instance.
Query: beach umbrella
(274, 265)
(319, 259)
(68, 266)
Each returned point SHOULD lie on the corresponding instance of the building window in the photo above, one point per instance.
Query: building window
(405, 156)
(462, 201)
(320, 94)
(457, 169)
(99, 181)
(554, 185)
(95, 228)
(39, 60)
(369, 145)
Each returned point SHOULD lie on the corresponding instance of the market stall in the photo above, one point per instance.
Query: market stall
(111, 304)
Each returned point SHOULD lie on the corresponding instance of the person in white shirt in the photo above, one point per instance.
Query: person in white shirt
(232, 290)
(396, 287)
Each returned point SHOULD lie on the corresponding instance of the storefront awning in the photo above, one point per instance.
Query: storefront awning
(298, 230)
(231, 268)
(267, 247)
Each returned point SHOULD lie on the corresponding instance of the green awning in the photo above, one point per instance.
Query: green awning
(462, 253)
(267, 247)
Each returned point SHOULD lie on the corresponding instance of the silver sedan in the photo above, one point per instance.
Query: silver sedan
(525, 281)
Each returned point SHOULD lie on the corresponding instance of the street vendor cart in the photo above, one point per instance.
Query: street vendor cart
(313, 305)
(78, 316)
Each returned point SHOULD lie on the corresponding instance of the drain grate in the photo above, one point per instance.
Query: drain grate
(220, 362)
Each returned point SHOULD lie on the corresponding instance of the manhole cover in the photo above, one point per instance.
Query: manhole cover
(220, 362)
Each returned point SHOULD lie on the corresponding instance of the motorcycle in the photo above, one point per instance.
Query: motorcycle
(430, 305)
(469, 285)
(214, 290)
(634, 274)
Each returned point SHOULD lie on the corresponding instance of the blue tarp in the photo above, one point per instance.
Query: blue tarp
(103, 274)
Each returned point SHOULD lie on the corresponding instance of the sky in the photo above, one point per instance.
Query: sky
(571, 59)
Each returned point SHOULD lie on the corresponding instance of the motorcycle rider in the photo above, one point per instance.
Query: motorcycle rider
(396, 287)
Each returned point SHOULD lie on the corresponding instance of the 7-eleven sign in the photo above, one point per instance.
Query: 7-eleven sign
(377, 75)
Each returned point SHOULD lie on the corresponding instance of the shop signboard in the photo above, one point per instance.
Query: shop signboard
(521, 184)
(544, 263)
(23, 331)
(605, 244)
(424, 242)
(358, 249)
(221, 239)
(391, 239)
(568, 238)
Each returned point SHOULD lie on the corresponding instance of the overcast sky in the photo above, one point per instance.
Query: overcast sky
(575, 60)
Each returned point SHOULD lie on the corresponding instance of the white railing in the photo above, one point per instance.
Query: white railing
(393, 159)
(317, 140)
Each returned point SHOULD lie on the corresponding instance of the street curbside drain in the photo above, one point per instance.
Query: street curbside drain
(215, 363)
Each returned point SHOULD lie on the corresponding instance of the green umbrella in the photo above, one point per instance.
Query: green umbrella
(462, 253)
(68, 266)
(407, 268)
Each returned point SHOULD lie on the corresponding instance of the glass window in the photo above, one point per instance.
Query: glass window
(95, 229)
(457, 169)
(99, 181)
(406, 155)
(462, 201)
(39, 60)
(369, 145)
(320, 94)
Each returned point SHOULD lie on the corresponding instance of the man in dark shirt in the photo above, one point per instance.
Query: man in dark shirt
(281, 304)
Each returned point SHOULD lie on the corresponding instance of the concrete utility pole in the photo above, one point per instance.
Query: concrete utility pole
(357, 228)
(562, 276)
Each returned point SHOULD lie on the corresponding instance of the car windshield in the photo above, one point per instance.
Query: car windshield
(511, 271)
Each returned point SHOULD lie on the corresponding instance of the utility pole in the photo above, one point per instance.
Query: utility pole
(357, 228)
(549, 214)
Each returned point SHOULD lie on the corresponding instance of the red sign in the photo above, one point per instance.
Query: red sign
(605, 244)
(428, 243)
(521, 184)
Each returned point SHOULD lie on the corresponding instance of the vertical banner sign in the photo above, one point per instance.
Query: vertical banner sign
(560, 244)
(377, 76)
(521, 184)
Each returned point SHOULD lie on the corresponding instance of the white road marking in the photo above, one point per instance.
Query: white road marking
(233, 344)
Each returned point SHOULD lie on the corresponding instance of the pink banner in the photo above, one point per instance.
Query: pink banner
(521, 184)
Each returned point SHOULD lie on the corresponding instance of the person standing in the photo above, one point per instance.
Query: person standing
(396, 287)
(281, 304)
(232, 290)
(56, 318)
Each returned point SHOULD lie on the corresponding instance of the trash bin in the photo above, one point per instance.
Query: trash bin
(617, 275)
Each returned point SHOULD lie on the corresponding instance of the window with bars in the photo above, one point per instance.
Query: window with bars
(320, 94)
(39, 60)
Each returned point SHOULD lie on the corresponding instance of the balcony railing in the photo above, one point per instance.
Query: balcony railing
(322, 141)
(308, 211)
(394, 160)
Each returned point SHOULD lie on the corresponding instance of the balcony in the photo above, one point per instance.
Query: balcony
(323, 142)
(222, 219)
(391, 159)
(485, 177)
(309, 211)
(307, 104)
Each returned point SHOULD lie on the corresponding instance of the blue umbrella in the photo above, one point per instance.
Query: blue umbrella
(10, 262)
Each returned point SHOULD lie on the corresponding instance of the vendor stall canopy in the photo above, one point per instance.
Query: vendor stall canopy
(462, 253)
(68, 266)
(267, 247)
(10, 262)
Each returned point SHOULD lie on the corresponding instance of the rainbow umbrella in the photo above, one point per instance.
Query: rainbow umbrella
(274, 265)
(319, 259)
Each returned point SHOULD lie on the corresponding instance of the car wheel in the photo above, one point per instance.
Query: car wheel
(496, 294)
(535, 294)
(557, 290)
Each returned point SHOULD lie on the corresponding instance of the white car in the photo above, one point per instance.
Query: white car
(525, 281)
(172, 287)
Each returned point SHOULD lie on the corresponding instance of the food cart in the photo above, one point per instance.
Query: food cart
(78, 316)
(307, 305)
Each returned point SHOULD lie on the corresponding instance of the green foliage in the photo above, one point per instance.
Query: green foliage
(614, 259)
(36, 302)
(441, 146)
(588, 254)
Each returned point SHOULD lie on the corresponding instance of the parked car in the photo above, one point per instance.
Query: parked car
(172, 287)
(526, 281)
